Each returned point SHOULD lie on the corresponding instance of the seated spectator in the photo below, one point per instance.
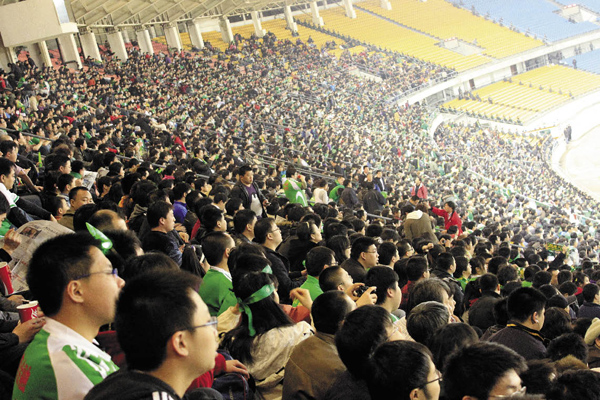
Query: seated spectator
(361, 333)
(78, 197)
(317, 260)
(388, 254)
(403, 370)
(575, 385)
(448, 339)
(362, 257)
(526, 307)
(591, 302)
(180, 191)
(315, 362)
(77, 288)
(592, 339)
(162, 221)
(389, 295)
(216, 288)
(308, 237)
(425, 319)
(266, 336)
(21, 211)
(416, 270)
(482, 371)
(107, 220)
(268, 235)
(567, 344)
(243, 225)
(481, 313)
(152, 307)
(445, 268)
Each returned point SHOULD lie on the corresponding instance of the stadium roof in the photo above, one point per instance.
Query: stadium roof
(114, 13)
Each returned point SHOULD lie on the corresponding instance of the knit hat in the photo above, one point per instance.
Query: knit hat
(593, 332)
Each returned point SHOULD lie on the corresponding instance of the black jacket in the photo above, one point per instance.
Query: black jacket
(131, 385)
(239, 192)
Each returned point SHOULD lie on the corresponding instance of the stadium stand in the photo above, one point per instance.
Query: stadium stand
(535, 17)
(372, 30)
(528, 94)
(253, 138)
(589, 61)
(443, 20)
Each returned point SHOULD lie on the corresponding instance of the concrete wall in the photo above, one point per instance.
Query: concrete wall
(31, 21)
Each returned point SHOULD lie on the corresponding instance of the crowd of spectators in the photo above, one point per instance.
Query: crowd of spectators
(335, 248)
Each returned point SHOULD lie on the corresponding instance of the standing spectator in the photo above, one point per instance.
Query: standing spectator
(451, 217)
(294, 187)
(419, 189)
(248, 191)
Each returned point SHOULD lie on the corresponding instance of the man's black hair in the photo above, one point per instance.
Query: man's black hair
(156, 211)
(382, 278)
(387, 251)
(330, 278)
(329, 311)
(361, 245)
(317, 258)
(214, 245)
(362, 332)
(241, 219)
(397, 368)
(590, 291)
(424, 319)
(474, 370)
(151, 308)
(54, 264)
(525, 301)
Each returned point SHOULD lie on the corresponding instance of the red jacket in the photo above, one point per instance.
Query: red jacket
(449, 220)
(421, 192)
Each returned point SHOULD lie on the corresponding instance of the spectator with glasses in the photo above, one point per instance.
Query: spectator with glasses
(77, 288)
(362, 257)
(403, 370)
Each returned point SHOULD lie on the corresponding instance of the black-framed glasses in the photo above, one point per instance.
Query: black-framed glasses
(439, 378)
(213, 321)
(114, 272)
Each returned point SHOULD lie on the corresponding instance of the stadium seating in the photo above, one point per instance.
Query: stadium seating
(528, 94)
(376, 31)
(535, 16)
(589, 61)
(443, 20)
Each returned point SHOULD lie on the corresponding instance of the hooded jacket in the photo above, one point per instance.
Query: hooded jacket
(418, 225)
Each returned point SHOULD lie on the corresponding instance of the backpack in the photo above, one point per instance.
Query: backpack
(234, 386)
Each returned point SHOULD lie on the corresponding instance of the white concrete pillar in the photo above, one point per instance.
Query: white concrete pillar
(226, 32)
(385, 4)
(258, 30)
(144, 41)
(350, 13)
(125, 36)
(289, 18)
(316, 18)
(117, 45)
(42, 50)
(152, 32)
(195, 34)
(89, 44)
(7, 55)
(172, 36)
(68, 48)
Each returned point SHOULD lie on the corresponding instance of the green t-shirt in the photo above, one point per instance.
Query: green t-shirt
(216, 291)
(312, 285)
